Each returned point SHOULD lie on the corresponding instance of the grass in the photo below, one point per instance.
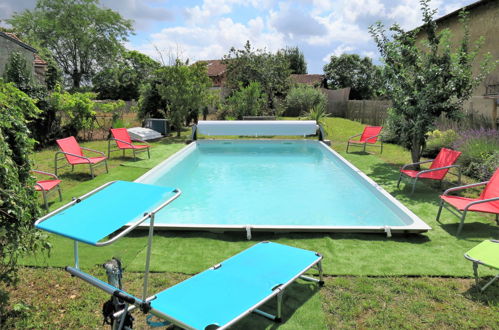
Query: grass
(351, 298)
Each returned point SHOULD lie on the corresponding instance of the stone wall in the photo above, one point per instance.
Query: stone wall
(7, 47)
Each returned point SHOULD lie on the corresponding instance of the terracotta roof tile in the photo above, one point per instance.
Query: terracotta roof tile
(215, 67)
(309, 79)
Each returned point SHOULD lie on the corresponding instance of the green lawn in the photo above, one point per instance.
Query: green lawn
(355, 298)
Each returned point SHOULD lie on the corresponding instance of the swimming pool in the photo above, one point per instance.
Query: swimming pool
(274, 185)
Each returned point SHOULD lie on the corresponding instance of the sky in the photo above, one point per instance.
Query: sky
(207, 29)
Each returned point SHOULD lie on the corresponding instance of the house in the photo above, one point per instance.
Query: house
(10, 43)
(314, 80)
(216, 71)
(483, 22)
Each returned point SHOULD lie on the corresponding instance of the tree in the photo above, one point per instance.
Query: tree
(248, 101)
(270, 70)
(18, 207)
(176, 91)
(350, 70)
(123, 78)
(81, 35)
(427, 80)
(296, 60)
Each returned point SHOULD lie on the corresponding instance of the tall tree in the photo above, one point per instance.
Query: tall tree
(247, 65)
(350, 70)
(123, 78)
(82, 35)
(428, 79)
(296, 60)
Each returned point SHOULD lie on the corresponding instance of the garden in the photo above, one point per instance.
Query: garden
(371, 280)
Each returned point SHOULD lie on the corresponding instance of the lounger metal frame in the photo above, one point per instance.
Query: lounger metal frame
(144, 304)
(45, 193)
(135, 150)
(414, 180)
(462, 214)
(475, 270)
(92, 165)
(366, 143)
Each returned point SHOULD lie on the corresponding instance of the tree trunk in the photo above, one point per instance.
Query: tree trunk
(416, 150)
(76, 76)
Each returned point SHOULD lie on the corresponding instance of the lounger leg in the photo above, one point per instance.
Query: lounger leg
(91, 170)
(440, 209)
(60, 192)
(461, 223)
(475, 272)
(134, 155)
(279, 307)
(414, 185)
(364, 149)
(489, 283)
(44, 194)
(55, 164)
(348, 145)
(105, 163)
(321, 273)
(108, 148)
(381, 147)
(72, 168)
(400, 178)
(148, 153)
(497, 218)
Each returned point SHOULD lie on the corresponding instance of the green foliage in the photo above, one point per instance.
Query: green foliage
(437, 140)
(76, 110)
(270, 70)
(426, 80)
(248, 101)
(178, 91)
(81, 35)
(296, 60)
(123, 78)
(17, 71)
(301, 99)
(18, 200)
(318, 113)
(350, 70)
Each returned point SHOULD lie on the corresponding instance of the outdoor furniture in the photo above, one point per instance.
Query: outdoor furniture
(369, 136)
(124, 142)
(214, 299)
(74, 155)
(488, 202)
(438, 169)
(487, 254)
(46, 186)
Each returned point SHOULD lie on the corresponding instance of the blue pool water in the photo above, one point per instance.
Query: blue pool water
(282, 183)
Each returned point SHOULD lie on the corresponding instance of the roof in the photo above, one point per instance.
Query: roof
(215, 67)
(469, 7)
(309, 79)
(39, 61)
(12, 37)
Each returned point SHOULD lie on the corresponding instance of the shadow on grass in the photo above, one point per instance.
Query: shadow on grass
(296, 295)
(77, 176)
(487, 298)
(471, 230)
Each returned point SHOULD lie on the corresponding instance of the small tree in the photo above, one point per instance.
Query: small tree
(18, 199)
(270, 70)
(248, 101)
(301, 99)
(350, 70)
(425, 80)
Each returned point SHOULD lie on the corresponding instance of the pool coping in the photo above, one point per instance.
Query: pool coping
(417, 225)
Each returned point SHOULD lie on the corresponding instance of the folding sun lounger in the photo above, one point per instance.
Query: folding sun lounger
(487, 254)
(214, 299)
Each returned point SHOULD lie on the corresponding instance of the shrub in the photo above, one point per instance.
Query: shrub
(480, 152)
(301, 99)
(438, 140)
(318, 113)
(247, 101)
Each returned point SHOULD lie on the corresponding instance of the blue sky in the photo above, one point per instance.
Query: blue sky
(207, 29)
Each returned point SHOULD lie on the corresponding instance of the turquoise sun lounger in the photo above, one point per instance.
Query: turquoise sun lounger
(214, 299)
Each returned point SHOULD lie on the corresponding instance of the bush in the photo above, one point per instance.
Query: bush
(301, 99)
(438, 140)
(480, 152)
(247, 101)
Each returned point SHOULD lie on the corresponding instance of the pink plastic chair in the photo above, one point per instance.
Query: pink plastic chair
(74, 155)
(439, 168)
(46, 186)
(124, 142)
(369, 136)
(488, 202)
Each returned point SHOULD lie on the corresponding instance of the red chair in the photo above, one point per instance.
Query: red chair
(74, 155)
(124, 142)
(368, 137)
(46, 186)
(488, 202)
(438, 169)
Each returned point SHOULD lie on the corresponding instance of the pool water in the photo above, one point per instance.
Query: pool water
(281, 183)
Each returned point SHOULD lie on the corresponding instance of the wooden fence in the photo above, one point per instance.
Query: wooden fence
(365, 111)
